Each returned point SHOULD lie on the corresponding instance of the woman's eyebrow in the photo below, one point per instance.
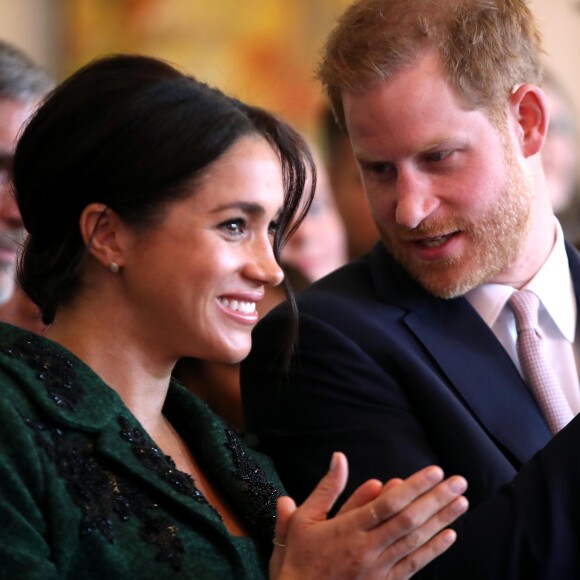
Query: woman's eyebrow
(249, 208)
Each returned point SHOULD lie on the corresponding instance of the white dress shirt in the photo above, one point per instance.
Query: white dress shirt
(556, 317)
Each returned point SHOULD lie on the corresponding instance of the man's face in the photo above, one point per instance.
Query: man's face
(12, 116)
(446, 187)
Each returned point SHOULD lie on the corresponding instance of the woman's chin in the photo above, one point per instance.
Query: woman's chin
(235, 356)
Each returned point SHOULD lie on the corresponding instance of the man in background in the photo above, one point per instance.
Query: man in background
(347, 187)
(22, 85)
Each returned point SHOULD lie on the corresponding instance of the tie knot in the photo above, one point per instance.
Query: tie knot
(525, 305)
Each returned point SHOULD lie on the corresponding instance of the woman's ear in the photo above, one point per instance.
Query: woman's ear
(529, 108)
(100, 229)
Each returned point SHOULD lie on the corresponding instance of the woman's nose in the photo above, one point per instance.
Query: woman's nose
(262, 265)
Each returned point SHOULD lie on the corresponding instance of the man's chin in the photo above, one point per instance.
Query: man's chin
(449, 280)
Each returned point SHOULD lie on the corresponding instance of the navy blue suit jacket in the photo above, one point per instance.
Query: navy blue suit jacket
(399, 379)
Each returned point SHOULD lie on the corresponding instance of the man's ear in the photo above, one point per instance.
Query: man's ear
(100, 229)
(529, 108)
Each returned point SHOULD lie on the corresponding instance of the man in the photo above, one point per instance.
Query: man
(408, 356)
(22, 85)
(346, 185)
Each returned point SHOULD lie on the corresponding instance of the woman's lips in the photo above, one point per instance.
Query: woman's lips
(242, 310)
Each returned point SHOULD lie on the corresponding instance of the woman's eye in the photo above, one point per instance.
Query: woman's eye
(234, 228)
(273, 227)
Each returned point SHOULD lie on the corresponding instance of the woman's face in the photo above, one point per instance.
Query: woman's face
(193, 281)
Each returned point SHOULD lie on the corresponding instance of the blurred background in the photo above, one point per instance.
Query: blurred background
(263, 51)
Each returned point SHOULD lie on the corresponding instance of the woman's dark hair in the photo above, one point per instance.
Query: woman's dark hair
(133, 133)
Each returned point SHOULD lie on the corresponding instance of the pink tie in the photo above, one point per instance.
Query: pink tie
(536, 367)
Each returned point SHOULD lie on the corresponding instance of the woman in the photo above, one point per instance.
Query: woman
(155, 206)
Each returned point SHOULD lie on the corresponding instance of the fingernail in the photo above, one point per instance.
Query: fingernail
(448, 536)
(457, 484)
(460, 505)
(333, 462)
(434, 474)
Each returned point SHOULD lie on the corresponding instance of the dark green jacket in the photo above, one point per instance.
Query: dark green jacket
(85, 493)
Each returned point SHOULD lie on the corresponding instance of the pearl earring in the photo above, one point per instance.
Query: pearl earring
(114, 267)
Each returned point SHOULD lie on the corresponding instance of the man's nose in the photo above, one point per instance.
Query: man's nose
(416, 199)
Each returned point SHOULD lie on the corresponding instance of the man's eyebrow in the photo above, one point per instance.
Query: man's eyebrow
(249, 208)
(427, 147)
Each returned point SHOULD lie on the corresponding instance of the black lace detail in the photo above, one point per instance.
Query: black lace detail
(260, 493)
(101, 494)
(155, 460)
(54, 370)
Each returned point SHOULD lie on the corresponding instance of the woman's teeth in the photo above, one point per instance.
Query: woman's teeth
(239, 305)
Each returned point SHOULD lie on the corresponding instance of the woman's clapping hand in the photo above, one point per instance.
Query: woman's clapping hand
(382, 531)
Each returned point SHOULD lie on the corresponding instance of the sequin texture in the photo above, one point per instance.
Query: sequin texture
(103, 495)
(54, 370)
(100, 494)
(261, 494)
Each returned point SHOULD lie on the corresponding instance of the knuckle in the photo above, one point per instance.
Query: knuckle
(408, 519)
(412, 542)
(389, 507)
(412, 565)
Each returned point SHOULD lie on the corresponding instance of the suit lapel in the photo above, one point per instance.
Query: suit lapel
(465, 350)
(482, 374)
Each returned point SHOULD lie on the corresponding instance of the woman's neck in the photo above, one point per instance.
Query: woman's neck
(118, 350)
(115, 351)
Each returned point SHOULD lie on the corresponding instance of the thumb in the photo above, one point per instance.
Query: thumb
(317, 505)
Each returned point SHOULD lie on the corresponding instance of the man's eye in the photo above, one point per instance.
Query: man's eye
(380, 168)
(438, 155)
